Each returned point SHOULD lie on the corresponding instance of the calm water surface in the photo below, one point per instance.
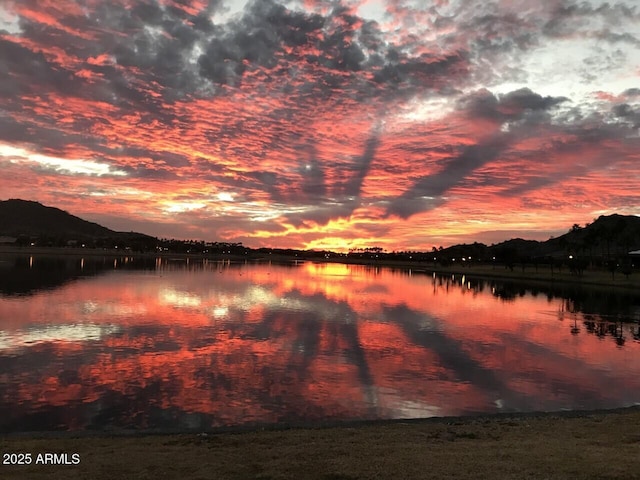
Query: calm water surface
(129, 344)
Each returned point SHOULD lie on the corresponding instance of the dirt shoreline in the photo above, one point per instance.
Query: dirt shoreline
(568, 444)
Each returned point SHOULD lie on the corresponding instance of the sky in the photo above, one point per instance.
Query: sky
(323, 124)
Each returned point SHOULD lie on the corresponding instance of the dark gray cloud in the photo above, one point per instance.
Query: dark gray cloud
(567, 18)
(321, 214)
(324, 199)
(159, 54)
(427, 192)
(592, 142)
(511, 106)
(361, 166)
(259, 40)
(500, 33)
(312, 171)
(523, 106)
(628, 114)
(272, 38)
(33, 71)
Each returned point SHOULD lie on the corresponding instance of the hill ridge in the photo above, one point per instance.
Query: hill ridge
(27, 219)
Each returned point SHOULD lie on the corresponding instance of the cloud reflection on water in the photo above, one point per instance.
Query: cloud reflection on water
(224, 344)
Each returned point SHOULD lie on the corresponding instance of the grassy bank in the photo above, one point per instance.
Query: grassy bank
(590, 445)
(541, 275)
(545, 275)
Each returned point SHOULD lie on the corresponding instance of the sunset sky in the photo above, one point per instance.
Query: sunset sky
(323, 123)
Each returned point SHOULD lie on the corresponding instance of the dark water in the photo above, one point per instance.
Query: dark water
(129, 344)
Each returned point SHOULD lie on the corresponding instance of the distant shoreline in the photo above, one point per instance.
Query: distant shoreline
(530, 275)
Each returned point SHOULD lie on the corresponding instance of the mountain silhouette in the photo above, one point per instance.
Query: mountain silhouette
(608, 236)
(28, 219)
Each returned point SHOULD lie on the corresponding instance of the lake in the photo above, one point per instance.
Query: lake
(112, 344)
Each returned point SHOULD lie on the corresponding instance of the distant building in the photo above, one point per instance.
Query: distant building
(8, 240)
(635, 252)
